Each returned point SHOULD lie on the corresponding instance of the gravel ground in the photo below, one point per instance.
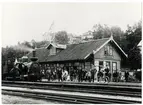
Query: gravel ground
(8, 99)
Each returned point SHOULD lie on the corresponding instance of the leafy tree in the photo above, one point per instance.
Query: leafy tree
(27, 44)
(61, 37)
(41, 44)
(127, 40)
(117, 34)
(132, 36)
(134, 58)
(8, 57)
(10, 53)
(103, 31)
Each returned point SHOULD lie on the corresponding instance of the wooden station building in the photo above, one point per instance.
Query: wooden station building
(101, 53)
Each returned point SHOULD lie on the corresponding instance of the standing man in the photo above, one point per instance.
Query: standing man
(48, 73)
(89, 76)
(79, 75)
(114, 76)
(84, 74)
(106, 74)
(59, 74)
(71, 73)
(75, 73)
(126, 75)
(93, 71)
(64, 74)
(100, 75)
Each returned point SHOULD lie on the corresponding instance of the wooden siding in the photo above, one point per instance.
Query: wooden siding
(100, 54)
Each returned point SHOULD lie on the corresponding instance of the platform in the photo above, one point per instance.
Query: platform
(101, 82)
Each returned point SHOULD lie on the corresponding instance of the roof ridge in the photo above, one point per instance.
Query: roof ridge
(89, 41)
(98, 39)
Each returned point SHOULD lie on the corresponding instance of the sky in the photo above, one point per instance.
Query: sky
(27, 21)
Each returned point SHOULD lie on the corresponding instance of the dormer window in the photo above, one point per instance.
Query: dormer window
(52, 51)
(108, 50)
(55, 48)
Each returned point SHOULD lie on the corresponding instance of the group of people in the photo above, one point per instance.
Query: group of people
(74, 74)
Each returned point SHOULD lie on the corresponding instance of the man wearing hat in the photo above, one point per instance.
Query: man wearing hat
(93, 72)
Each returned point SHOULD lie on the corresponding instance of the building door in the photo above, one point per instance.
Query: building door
(101, 65)
(96, 63)
(114, 66)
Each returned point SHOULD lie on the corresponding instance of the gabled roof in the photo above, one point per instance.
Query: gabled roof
(140, 44)
(79, 51)
(83, 50)
(111, 39)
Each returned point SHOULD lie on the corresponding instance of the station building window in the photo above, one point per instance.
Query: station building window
(108, 50)
(87, 65)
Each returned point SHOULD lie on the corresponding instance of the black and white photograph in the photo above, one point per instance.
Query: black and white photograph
(68, 52)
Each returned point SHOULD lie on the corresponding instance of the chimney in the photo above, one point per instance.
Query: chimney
(34, 58)
(34, 53)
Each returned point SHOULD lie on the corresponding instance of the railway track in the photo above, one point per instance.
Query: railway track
(97, 91)
(66, 98)
(84, 88)
(78, 83)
